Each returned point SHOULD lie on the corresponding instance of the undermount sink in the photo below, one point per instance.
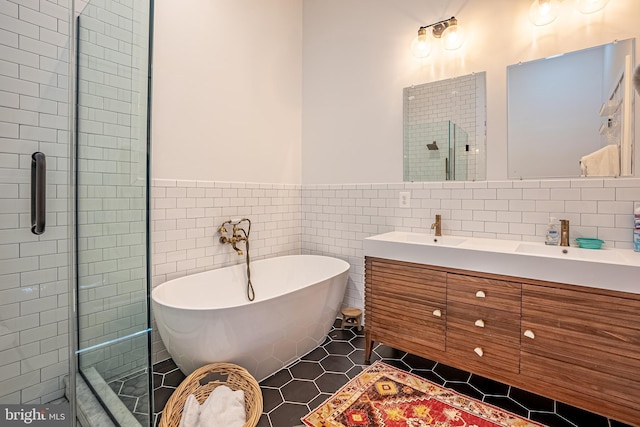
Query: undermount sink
(597, 255)
(421, 238)
(616, 269)
(490, 244)
(427, 239)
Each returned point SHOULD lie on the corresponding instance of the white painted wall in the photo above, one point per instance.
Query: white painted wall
(227, 90)
(356, 60)
(242, 93)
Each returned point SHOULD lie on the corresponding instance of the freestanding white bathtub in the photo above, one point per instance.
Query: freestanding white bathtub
(207, 317)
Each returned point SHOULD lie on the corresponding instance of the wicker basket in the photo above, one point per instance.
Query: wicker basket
(237, 378)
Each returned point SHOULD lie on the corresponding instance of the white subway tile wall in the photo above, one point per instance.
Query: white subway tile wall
(34, 108)
(334, 219)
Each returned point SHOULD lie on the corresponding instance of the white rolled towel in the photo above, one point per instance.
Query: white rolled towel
(223, 408)
(190, 412)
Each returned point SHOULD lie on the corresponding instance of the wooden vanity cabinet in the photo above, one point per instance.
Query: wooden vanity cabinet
(483, 322)
(575, 344)
(584, 344)
(405, 305)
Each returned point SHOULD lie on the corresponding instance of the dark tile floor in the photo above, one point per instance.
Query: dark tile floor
(295, 390)
(133, 392)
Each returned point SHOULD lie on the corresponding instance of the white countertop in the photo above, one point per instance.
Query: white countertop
(613, 269)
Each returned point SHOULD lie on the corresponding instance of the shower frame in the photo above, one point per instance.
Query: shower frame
(75, 352)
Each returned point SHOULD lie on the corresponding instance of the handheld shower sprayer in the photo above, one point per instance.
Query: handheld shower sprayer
(239, 234)
(636, 79)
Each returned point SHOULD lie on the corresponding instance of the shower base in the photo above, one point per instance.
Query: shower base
(90, 412)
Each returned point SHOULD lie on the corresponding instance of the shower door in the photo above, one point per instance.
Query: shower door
(436, 151)
(459, 153)
(112, 153)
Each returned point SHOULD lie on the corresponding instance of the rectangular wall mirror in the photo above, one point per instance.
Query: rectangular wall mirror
(445, 129)
(571, 115)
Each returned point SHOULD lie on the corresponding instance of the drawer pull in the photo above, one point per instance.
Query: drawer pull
(437, 313)
(529, 334)
(479, 323)
(479, 351)
(480, 294)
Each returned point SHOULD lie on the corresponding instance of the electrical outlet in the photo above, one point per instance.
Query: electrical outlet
(405, 199)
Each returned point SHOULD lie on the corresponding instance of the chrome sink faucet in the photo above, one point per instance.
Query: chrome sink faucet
(564, 232)
(437, 225)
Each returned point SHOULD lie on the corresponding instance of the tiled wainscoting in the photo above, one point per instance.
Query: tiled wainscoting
(334, 219)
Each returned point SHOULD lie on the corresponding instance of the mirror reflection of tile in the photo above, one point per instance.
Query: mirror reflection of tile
(444, 128)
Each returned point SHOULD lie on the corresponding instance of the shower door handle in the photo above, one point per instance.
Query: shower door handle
(38, 192)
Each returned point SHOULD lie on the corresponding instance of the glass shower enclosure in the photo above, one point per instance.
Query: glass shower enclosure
(74, 276)
(111, 206)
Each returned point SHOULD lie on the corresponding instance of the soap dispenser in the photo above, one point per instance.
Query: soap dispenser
(552, 235)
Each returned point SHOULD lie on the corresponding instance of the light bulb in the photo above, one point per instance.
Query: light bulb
(590, 6)
(421, 45)
(452, 36)
(543, 12)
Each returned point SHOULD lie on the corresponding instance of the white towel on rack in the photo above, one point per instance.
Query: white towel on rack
(603, 162)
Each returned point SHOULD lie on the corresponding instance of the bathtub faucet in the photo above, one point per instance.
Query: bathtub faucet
(238, 235)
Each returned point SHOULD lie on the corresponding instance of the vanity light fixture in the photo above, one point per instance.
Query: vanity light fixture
(543, 12)
(452, 36)
(421, 45)
(447, 30)
(590, 6)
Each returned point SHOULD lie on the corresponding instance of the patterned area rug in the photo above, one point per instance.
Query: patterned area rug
(384, 396)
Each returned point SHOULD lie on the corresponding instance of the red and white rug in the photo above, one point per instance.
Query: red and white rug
(384, 396)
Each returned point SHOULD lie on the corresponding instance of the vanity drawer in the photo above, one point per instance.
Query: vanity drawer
(484, 292)
(498, 326)
(463, 346)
